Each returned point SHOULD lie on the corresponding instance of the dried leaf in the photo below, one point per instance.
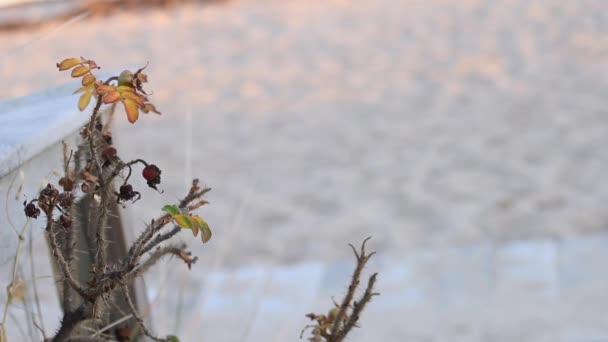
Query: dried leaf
(68, 63)
(17, 290)
(132, 110)
(88, 79)
(79, 71)
(111, 97)
(84, 100)
(148, 107)
(203, 226)
(171, 209)
(142, 77)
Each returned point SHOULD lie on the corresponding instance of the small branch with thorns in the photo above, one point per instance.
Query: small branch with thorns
(343, 317)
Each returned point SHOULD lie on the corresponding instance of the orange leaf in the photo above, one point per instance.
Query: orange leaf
(68, 63)
(84, 100)
(132, 110)
(111, 97)
(88, 79)
(101, 89)
(79, 71)
(134, 97)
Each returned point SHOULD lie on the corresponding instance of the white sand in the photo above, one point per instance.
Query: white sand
(317, 123)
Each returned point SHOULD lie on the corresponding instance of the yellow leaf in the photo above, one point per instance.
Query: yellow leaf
(68, 63)
(197, 221)
(79, 71)
(88, 79)
(81, 89)
(84, 100)
(183, 221)
(134, 97)
(123, 88)
(111, 97)
(132, 110)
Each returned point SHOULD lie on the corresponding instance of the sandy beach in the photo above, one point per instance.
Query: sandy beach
(319, 123)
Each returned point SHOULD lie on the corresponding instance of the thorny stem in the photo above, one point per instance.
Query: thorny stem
(338, 329)
(139, 319)
(137, 249)
(65, 268)
(69, 234)
(179, 252)
(160, 238)
(91, 137)
(13, 276)
(100, 233)
(358, 307)
(103, 210)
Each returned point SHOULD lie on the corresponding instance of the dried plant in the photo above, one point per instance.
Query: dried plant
(90, 173)
(343, 317)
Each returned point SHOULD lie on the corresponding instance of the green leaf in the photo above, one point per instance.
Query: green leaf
(171, 209)
(172, 338)
(203, 226)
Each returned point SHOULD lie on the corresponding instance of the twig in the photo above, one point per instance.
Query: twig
(334, 326)
(35, 287)
(111, 325)
(13, 277)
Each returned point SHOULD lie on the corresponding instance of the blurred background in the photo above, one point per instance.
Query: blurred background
(467, 137)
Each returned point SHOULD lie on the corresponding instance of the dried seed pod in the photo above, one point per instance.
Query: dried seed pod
(48, 198)
(66, 221)
(126, 193)
(66, 199)
(31, 210)
(151, 174)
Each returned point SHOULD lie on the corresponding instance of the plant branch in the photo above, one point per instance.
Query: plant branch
(92, 137)
(60, 259)
(160, 238)
(179, 252)
(338, 329)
